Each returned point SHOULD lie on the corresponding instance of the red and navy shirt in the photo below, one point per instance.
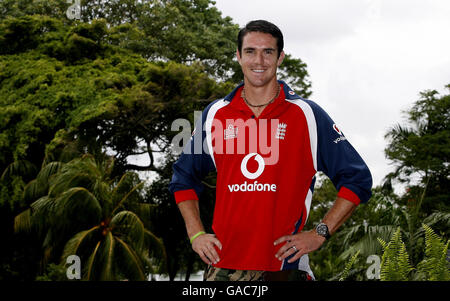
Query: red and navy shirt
(266, 169)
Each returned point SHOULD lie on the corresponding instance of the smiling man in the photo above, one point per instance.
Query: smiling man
(262, 203)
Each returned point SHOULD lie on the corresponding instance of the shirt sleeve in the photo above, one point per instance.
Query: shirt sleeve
(191, 167)
(337, 158)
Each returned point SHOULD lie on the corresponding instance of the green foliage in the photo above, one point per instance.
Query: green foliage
(113, 81)
(348, 266)
(421, 147)
(435, 266)
(84, 212)
(395, 264)
(386, 212)
(20, 8)
(293, 71)
(359, 233)
(53, 272)
(82, 87)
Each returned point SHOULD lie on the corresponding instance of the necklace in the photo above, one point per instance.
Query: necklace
(264, 104)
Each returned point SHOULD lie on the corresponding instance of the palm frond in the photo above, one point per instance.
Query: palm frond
(131, 265)
(108, 257)
(42, 214)
(80, 172)
(129, 227)
(157, 252)
(19, 168)
(348, 266)
(369, 243)
(399, 132)
(145, 212)
(72, 246)
(348, 233)
(438, 217)
(34, 190)
(39, 186)
(78, 201)
(22, 222)
(125, 198)
(124, 185)
(49, 170)
(66, 180)
(89, 267)
(75, 209)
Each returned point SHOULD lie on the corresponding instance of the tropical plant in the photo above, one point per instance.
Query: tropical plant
(112, 81)
(395, 264)
(81, 211)
(348, 266)
(420, 150)
(435, 265)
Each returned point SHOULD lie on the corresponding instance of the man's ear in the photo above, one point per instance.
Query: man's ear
(238, 56)
(281, 58)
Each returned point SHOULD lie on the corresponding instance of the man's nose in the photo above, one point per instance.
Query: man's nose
(259, 58)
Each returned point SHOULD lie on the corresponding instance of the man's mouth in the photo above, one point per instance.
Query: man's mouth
(258, 70)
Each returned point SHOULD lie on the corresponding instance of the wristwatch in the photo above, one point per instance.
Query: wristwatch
(322, 230)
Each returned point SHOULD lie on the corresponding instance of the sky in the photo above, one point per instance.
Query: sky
(368, 60)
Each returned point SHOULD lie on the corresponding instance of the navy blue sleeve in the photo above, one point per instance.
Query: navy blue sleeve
(192, 166)
(337, 158)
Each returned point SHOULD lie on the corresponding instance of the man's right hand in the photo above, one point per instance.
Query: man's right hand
(204, 244)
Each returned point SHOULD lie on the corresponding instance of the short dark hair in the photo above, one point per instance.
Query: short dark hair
(261, 26)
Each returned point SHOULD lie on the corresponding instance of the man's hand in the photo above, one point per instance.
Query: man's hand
(301, 243)
(204, 244)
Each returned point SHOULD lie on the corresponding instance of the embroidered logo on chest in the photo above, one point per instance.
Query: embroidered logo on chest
(230, 132)
(281, 131)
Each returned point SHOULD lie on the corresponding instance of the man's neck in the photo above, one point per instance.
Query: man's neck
(260, 95)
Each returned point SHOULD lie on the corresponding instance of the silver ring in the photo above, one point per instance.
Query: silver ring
(295, 249)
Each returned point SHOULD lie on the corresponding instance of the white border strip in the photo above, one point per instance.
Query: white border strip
(312, 126)
(308, 204)
(209, 122)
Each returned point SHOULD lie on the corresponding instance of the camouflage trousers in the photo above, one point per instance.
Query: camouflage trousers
(219, 274)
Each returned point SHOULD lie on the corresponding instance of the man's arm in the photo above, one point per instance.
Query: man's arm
(306, 242)
(203, 244)
(338, 214)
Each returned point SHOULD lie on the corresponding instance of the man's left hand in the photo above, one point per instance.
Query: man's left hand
(301, 243)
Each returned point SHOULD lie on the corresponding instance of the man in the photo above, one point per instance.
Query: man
(266, 144)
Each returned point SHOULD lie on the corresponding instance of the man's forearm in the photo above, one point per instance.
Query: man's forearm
(203, 244)
(338, 214)
(308, 241)
(191, 214)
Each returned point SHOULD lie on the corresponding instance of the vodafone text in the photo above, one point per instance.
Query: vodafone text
(255, 186)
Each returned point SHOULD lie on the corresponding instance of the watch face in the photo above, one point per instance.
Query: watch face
(322, 230)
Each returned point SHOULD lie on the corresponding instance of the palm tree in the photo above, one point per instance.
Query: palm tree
(79, 210)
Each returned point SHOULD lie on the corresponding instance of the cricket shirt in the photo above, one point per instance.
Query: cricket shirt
(266, 169)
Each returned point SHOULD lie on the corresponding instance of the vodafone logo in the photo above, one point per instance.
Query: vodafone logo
(337, 129)
(255, 186)
(258, 172)
(341, 137)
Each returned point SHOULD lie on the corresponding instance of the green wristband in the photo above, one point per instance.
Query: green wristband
(197, 235)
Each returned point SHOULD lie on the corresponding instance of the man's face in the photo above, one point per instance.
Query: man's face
(259, 58)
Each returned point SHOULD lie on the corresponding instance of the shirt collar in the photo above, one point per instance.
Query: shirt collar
(288, 92)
